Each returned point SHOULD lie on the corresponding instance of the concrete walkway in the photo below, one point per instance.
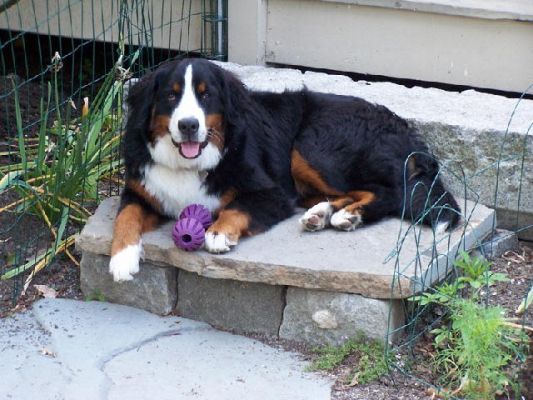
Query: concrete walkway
(65, 349)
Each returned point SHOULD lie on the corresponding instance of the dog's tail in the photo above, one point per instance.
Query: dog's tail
(426, 199)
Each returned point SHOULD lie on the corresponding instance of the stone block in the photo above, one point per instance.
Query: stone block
(320, 317)
(381, 260)
(482, 137)
(243, 307)
(497, 244)
(153, 289)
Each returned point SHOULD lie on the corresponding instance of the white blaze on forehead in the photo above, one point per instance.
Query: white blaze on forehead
(188, 107)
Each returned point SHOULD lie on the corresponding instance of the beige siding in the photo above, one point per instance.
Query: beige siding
(98, 19)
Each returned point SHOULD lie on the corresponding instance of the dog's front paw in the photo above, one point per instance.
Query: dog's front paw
(317, 217)
(216, 242)
(124, 264)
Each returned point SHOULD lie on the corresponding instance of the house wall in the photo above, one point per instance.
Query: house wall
(89, 19)
(487, 49)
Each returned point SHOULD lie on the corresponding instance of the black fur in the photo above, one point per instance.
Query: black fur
(354, 145)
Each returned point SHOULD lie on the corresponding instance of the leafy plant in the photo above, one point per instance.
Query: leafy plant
(476, 271)
(95, 295)
(475, 274)
(473, 352)
(58, 172)
(372, 361)
(476, 343)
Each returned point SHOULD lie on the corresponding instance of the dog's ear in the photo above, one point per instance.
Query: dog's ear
(236, 98)
(140, 99)
(140, 102)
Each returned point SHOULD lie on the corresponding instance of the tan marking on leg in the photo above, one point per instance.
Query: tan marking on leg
(232, 223)
(128, 228)
(308, 180)
(150, 223)
(336, 202)
(341, 202)
(140, 190)
(227, 197)
(362, 198)
(132, 221)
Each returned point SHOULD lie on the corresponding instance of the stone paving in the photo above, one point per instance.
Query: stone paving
(284, 282)
(74, 350)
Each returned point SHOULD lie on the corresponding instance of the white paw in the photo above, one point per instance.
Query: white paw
(125, 263)
(441, 227)
(317, 217)
(218, 242)
(345, 221)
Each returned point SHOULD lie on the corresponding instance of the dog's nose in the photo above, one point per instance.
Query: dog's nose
(188, 126)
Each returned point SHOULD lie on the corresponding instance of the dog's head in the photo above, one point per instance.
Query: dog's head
(182, 109)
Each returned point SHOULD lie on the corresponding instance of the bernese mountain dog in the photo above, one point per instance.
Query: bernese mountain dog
(196, 134)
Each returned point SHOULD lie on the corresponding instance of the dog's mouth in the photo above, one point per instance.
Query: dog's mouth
(190, 150)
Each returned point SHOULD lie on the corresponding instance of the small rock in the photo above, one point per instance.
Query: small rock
(325, 319)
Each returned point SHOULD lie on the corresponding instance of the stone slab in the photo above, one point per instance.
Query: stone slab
(243, 307)
(75, 350)
(23, 343)
(497, 244)
(320, 317)
(383, 260)
(154, 288)
(484, 141)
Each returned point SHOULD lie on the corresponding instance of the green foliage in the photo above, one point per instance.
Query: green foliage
(476, 271)
(95, 295)
(59, 170)
(372, 361)
(475, 274)
(475, 349)
(476, 344)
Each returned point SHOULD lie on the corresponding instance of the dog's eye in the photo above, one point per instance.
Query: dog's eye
(204, 95)
(172, 96)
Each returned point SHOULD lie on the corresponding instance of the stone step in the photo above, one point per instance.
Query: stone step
(483, 141)
(383, 260)
(318, 287)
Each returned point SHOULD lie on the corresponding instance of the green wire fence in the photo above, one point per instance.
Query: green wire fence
(63, 65)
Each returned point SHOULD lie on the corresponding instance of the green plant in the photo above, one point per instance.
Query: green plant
(58, 172)
(474, 350)
(476, 271)
(475, 275)
(95, 295)
(371, 359)
(476, 343)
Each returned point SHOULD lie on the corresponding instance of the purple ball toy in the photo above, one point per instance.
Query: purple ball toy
(188, 234)
(198, 212)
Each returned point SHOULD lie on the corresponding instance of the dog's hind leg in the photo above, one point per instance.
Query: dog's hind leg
(366, 206)
(318, 216)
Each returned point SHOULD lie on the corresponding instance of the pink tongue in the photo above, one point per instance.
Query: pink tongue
(190, 149)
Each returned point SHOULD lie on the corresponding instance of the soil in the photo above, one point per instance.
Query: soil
(414, 377)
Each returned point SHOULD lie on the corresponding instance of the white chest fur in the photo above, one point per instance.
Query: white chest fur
(177, 188)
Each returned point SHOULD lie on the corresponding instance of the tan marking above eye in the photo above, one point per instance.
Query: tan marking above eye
(176, 87)
(202, 87)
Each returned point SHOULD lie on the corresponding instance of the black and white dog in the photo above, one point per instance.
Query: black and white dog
(195, 134)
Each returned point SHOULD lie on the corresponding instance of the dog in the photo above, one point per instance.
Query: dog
(196, 134)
